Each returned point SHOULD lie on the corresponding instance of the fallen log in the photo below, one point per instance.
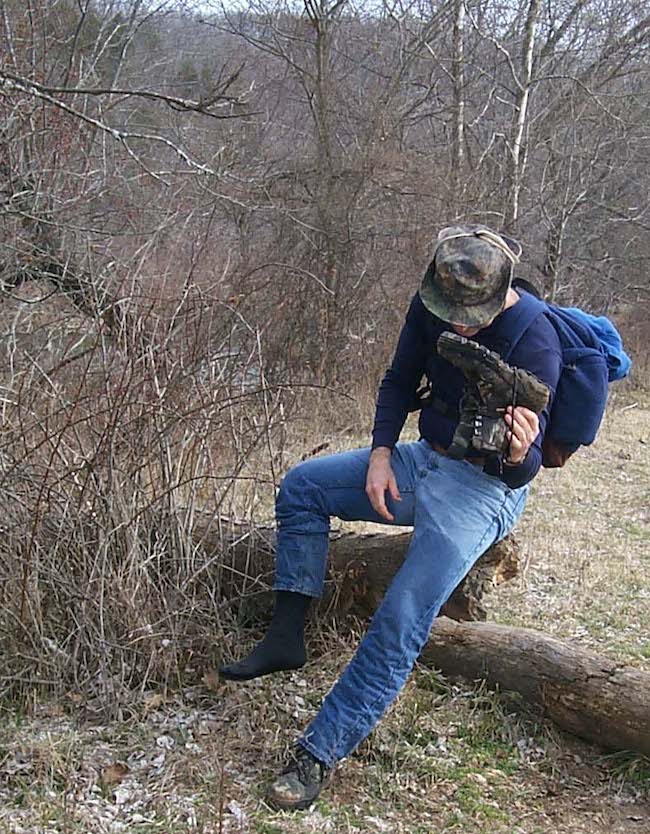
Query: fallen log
(360, 568)
(591, 696)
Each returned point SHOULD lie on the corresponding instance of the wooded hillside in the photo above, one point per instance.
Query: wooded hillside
(211, 222)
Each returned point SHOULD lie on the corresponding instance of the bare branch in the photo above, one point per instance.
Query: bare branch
(219, 97)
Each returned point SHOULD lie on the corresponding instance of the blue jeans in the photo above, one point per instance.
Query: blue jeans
(457, 511)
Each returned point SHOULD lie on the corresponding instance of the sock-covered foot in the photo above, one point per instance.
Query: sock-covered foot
(282, 649)
(273, 654)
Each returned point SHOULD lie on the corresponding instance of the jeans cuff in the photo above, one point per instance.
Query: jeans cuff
(328, 761)
(297, 589)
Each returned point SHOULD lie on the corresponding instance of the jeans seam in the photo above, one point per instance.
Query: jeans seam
(354, 486)
(481, 474)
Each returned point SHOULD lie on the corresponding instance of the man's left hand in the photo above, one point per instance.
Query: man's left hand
(524, 425)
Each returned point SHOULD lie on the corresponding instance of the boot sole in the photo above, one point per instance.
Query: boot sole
(461, 345)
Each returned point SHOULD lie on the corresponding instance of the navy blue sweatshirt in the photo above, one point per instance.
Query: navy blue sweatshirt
(538, 351)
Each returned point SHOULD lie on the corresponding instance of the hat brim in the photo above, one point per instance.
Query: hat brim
(441, 305)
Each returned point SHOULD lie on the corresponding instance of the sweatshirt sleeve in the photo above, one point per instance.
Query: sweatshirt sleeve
(538, 352)
(401, 381)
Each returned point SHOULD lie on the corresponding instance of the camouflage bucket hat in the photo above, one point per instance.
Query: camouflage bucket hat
(468, 279)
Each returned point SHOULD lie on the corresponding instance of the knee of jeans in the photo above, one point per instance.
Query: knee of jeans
(298, 491)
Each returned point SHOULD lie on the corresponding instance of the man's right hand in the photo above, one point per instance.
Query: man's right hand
(379, 479)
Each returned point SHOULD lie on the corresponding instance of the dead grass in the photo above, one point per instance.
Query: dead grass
(586, 538)
(446, 758)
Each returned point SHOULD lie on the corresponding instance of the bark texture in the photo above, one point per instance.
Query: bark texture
(588, 695)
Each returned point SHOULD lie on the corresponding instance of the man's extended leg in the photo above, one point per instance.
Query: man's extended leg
(309, 494)
(459, 513)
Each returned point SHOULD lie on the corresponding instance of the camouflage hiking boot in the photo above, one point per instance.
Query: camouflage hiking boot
(492, 385)
(299, 783)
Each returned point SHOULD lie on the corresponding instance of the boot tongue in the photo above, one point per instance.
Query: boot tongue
(468, 411)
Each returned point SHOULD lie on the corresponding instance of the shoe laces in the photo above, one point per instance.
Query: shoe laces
(513, 402)
(303, 764)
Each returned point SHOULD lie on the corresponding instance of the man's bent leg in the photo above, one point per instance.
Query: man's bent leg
(459, 513)
(334, 485)
(309, 494)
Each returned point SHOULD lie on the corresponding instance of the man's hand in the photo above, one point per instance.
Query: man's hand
(379, 479)
(524, 425)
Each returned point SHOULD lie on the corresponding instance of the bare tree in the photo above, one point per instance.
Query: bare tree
(208, 221)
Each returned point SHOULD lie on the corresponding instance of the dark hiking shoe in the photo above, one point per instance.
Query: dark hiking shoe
(299, 783)
(492, 385)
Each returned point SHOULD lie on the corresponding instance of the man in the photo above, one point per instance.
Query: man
(458, 508)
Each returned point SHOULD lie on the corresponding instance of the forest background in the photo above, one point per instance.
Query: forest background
(212, 219)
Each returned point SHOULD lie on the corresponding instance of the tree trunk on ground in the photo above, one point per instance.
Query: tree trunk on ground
(360, 569)
(591, 696)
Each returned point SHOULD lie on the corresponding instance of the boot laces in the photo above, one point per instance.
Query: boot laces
(513, 403)
(303, 764)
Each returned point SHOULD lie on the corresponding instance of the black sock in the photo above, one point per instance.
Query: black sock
(284, 645)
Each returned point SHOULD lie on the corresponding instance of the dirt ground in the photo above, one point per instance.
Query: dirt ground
(446, 758)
